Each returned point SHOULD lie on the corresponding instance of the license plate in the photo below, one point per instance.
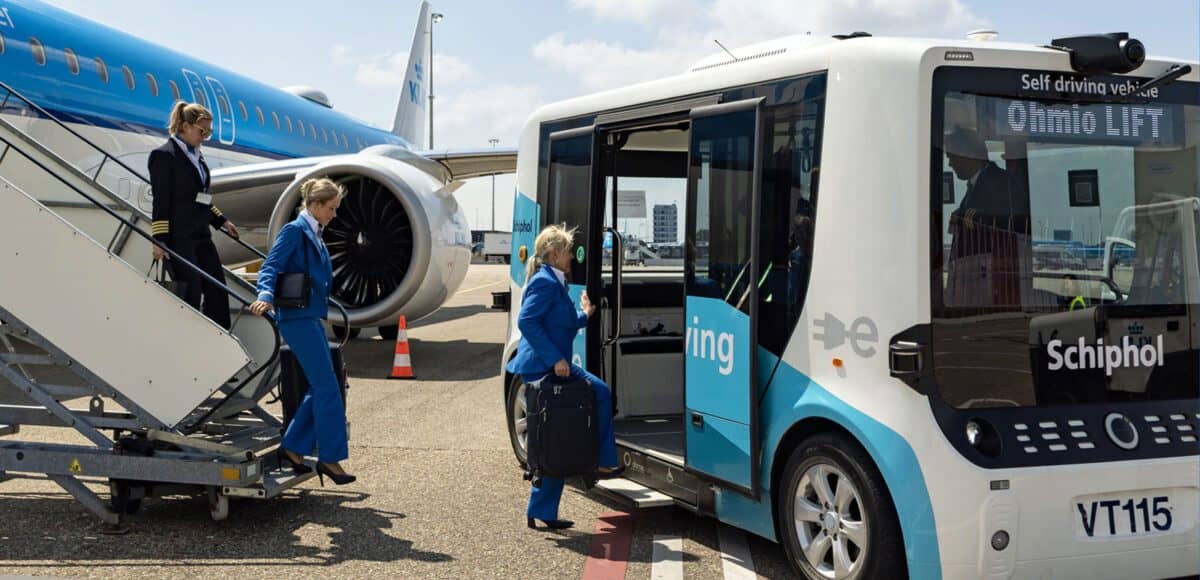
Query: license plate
(1114, 516)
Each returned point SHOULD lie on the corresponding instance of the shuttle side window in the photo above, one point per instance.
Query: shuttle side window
(175, 96)
(102, 70)
(72, 61)
(245, 113)
(38, 51)
(129, 81)
(152, 83)
(259, 112)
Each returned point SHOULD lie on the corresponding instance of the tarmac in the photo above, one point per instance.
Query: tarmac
(439, 493)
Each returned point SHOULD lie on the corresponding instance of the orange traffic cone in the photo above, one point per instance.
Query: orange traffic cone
(402, 364)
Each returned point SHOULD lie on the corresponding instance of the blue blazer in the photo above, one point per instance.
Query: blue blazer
(548, 323)
(288, 255)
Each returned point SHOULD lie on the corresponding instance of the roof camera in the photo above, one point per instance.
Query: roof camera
(1110, 53)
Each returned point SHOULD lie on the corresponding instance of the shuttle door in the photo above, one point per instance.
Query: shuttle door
(721, 270)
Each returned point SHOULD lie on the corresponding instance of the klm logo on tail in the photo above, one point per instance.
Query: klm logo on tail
(415, 94)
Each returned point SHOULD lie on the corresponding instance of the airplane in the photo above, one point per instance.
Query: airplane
(401, 244)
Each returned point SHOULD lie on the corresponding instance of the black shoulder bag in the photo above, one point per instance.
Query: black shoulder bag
(291, 289)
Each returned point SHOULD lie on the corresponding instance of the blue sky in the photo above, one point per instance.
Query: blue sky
(497, 61)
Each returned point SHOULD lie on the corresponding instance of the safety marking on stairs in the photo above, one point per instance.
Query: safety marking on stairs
(666, 560)
(736, 561)
(75, 467)
(609, 554)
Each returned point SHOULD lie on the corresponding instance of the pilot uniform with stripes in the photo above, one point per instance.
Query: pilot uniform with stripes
(182, 214)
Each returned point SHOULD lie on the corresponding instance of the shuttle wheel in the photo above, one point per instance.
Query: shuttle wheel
(218, 505)
(836, 519)
(517, 417)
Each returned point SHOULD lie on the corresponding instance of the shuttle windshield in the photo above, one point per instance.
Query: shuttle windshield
(1066, 229)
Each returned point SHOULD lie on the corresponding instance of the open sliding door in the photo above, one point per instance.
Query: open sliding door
(720, 274)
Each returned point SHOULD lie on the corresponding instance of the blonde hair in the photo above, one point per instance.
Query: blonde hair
(184, 112)
(552, 237)
(320, 190)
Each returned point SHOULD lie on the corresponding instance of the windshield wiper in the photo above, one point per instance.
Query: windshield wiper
(1168, 76)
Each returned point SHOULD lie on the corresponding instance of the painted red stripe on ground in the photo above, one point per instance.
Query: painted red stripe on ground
(610, 547)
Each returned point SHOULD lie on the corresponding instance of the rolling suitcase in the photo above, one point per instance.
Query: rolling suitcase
(562, 437)
(293, 385)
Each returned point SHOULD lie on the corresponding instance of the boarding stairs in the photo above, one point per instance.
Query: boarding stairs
(165, 399)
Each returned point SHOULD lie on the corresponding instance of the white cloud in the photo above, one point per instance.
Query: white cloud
(467, 118)
(387, 70)
(679, 34)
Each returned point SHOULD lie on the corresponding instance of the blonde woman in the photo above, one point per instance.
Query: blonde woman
(183, 210)
(320, 421)
(549, 322)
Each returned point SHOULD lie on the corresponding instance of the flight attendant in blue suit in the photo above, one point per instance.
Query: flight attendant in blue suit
(548, 323)
(320, 420)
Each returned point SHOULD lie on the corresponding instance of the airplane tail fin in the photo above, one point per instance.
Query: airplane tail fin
(413, 103)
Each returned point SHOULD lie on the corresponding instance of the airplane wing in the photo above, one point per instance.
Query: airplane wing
(468, 163)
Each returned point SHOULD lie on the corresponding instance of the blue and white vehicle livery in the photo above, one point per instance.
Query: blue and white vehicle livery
(863, 357)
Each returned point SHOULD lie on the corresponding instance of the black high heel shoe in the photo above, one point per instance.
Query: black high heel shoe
(338, 478)
(559, 524)
(297, 468)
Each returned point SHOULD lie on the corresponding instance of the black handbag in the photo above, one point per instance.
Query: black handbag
(158, 272)
(292, 288)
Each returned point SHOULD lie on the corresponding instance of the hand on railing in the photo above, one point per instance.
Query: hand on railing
(259, 307)
(231, 229)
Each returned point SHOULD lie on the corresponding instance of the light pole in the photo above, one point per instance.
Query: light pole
(493, 141)
(434, 18)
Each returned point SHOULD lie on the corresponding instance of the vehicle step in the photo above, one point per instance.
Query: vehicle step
(8, 430)
(638, 494)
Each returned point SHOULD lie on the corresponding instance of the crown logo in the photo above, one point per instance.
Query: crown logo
(1136, 328)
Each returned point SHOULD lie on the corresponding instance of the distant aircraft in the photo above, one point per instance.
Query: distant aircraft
(401, 244)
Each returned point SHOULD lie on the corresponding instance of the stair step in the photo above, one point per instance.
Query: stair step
(640, 495)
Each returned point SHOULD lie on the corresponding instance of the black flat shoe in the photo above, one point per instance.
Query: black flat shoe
(558, 524)
(610, 473)
(299, 468)
(338, 478)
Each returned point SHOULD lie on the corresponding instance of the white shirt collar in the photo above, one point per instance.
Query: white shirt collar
(195, 158)
(562, 277)
(312, 222)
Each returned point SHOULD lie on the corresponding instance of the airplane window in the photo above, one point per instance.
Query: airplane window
(245, 114)
(358, 142)
(301, 123)
(39, 51)
(72, 61)
(325, 136)
(312, 129)
(174, 91)
(261, 120)
(1, 44)
(223, 103)
(345, 142)
(128, 77)
(102, 70)
(289, 122)
(153, 83)
(275, 116)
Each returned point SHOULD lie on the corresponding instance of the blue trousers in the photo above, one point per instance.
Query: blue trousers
(320, 420)
(544, 498)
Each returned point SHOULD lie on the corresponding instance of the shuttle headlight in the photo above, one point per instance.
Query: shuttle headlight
(983, 437)
(1000, 541)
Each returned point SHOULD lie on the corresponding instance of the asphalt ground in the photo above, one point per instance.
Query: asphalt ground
(439, 493)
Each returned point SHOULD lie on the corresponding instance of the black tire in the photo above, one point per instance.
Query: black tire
(510, 401)
(832, 454)
(389, 332)
(339, 331)
(120, 498)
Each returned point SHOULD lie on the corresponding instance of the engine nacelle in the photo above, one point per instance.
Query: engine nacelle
(400, 245)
